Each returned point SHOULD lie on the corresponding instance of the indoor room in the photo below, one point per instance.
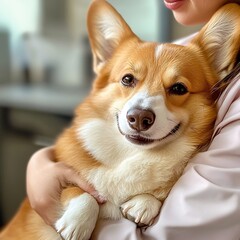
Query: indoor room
(46, 71)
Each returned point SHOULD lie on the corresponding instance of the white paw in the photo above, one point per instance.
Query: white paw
(141, 209)
(79, 218)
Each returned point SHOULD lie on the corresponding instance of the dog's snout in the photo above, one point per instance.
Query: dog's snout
(140, 119)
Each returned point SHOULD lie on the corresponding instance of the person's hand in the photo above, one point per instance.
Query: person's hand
(45, 182)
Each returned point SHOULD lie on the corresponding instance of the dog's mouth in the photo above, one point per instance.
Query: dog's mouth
(139, 139)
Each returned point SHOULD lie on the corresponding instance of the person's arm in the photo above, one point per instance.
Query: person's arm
(45, 181)
(205, 202)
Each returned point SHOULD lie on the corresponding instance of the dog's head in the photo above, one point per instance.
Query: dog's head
(159, 92)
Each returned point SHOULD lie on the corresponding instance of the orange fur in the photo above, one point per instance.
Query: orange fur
(156, 69)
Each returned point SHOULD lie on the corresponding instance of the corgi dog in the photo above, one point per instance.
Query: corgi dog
(149, 111)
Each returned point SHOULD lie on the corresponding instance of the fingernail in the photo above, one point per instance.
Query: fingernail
(99, 197)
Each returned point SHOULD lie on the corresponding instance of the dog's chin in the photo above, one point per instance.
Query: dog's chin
(147, 142)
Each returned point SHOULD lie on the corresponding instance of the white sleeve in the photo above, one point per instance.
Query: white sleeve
(205, 203)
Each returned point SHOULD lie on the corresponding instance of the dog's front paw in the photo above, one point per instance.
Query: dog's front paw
(79, 218)
(141, 209)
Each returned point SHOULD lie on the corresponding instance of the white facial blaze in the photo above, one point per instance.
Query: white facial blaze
(164, 122)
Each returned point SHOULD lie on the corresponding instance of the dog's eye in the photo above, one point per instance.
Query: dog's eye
(128, 80)
(178, 89)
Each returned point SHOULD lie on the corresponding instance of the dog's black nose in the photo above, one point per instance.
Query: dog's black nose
(140, 119)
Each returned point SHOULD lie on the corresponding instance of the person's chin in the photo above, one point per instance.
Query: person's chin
(184, 19)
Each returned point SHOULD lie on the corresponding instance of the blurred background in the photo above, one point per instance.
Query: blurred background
(45, 71)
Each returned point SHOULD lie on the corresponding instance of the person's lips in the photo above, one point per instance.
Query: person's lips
(173, 4)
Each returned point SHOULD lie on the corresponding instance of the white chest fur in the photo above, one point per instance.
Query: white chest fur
(126, 169)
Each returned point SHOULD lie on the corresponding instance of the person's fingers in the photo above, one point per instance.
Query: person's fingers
(71, 177)
(54, 177)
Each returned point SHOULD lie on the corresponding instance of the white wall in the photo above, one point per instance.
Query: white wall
(18, 17)
(142, 16)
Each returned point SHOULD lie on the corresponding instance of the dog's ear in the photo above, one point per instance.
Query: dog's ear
(220, 39)
(106, 29)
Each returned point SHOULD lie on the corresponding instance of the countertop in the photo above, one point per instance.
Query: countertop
(43, 98)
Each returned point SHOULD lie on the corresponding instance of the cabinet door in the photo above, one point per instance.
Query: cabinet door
(15, 153)
(22, 133)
